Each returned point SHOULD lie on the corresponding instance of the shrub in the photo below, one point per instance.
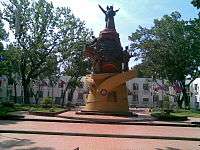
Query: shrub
(31, 109)
(47, 102)
(51, 110)
(167, 106)
(4, 111)
(168, 117)
(8, 104)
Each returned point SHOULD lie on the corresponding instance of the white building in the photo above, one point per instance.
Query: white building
(43, 90)
(141, 94)
(3, 87)
(195, 94)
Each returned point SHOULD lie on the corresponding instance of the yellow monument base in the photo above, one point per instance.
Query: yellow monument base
(108, 92)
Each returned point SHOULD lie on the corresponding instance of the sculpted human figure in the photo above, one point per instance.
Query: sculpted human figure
(109, 16)
(126, 58)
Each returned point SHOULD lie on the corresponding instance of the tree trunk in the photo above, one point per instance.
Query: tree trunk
(70, 95)
(15, 90)
(52, 92)
(26, 94)
(185, 97)
(179, 102)
(53, 101)
(63, 96)
(25, 84)
(48, 94)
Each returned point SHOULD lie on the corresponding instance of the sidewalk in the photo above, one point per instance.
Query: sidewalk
(71, 117)
(86, 129)
(35, 142)
(96, 131)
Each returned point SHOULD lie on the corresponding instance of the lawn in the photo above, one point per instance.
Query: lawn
(41, 109)
(161, 116)
(4, 110)
(188, 113)
(179, 115)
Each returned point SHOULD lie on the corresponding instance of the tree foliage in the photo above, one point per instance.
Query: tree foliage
(169, 49)
(3, 34)
(196, 3)
(3, 53)
(10, 65)
(43, 34)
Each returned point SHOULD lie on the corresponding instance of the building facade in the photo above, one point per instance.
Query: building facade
(140, 93)
(194, 94)
(41, 90)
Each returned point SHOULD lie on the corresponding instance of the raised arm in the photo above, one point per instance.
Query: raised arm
(116, 10)
(102, 9)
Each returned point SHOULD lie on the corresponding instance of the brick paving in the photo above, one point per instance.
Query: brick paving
(70, 115)
(101, 128)
(15, 141)
(54, 142)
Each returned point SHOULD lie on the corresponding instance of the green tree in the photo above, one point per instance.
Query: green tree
(75, 65)
(196, 3)
(42, 32)
(3, 35)
(3, 53)
(169, 50)
(10, 67)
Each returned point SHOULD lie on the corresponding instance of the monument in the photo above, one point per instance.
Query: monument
(107, 83)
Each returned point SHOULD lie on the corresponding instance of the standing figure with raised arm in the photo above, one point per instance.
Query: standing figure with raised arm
(109, 16)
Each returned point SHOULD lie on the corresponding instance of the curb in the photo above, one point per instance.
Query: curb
(100, 135)
(105, 122)
(47, 114)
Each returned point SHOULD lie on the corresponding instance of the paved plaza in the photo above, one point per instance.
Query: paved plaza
(54, 142)
(101, 129)
(40, 135)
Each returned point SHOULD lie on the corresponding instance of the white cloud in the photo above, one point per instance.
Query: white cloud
(89, 11)
(131, 14)
(86, 10)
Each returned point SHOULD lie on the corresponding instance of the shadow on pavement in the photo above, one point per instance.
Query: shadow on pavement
(6, 122)
(37, 148)
(6, 144)
(168, 148)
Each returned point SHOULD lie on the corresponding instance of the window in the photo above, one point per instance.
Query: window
(145, 86)
(135, 86)
(135, 97)
(145, 99)
(197, 105)
(80, 96)
(155, 98)
(195, 87)
(195, 99)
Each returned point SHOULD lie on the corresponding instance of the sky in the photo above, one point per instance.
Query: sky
(132, 13)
